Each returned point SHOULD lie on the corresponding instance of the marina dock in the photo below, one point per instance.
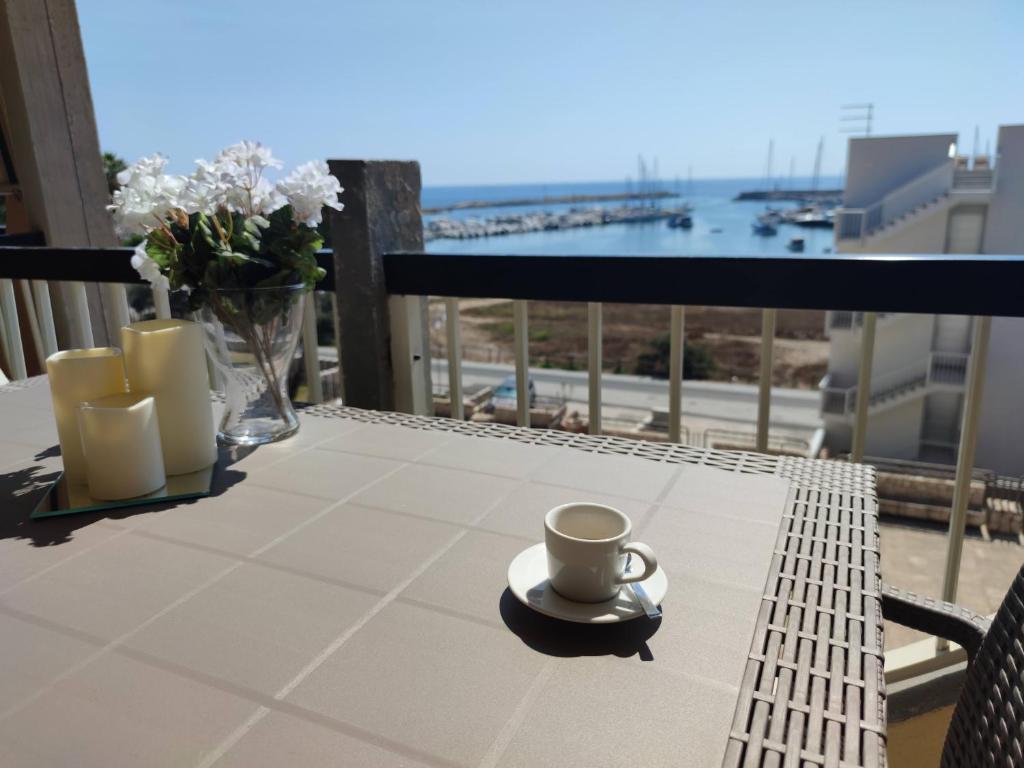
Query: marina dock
(519, 223)
(552, 200)
(797, 195)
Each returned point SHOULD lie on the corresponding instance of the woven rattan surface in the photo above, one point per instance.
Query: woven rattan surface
(812, 692)
(988, 722)
(935, 617)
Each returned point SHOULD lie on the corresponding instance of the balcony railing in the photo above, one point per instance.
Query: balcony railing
(381, 278)
(922, 190)
(845, 321)
(918, 193)
(941, 368)
(948, 368)
(976, 180)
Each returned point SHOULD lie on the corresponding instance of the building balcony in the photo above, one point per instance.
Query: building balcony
(938, 189)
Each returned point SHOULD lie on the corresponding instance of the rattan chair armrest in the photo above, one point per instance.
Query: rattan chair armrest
(935, 617)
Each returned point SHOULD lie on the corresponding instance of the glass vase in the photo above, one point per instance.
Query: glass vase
(251, 335)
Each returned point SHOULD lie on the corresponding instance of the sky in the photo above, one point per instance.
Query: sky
(489, 92)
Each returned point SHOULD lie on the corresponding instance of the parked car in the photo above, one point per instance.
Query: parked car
(505, 394)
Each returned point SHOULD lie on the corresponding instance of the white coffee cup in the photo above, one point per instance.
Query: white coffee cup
(587, 546)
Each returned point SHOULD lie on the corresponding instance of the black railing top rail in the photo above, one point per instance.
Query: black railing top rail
(95, 265)
(928, 284)
(918, 283)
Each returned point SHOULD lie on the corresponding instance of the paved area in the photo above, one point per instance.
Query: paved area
(913, 557)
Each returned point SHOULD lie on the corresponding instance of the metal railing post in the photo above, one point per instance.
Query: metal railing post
(311, 351)
(12, 331)
(44, 311)
(161, 303)
(867, 353)
(677, 348)
(965, 457)
(764, 384)
(33, 321)
(594, 340)
(13, 349)
(521, 344)
(456, 407)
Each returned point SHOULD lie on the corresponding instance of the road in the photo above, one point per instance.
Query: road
(713, 400)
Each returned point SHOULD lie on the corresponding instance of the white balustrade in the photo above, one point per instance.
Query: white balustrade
(677, 349)
(764, 384)
(594, 342)
(456, 406)
(521, 344)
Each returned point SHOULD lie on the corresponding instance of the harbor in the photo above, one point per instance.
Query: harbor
(548, 221)
(719, 224)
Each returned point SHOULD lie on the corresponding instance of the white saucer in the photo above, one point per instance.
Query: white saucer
(528, 580)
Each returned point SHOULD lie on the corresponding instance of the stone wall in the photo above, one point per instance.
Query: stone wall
(931, 498)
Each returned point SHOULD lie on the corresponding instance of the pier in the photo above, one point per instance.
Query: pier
(520, 223)
(798, 195)
(552, 200)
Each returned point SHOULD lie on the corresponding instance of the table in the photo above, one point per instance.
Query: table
(341, 600)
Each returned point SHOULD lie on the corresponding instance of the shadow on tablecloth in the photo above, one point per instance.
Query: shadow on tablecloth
(22, 488)
(554, 637)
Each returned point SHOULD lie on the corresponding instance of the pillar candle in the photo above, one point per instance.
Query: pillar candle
(121, 441)
(77, 375)
(165, 358)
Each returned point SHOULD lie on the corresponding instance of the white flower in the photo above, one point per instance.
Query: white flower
(205, 190)
(308, 189)
(234, 180)
(249, 154)
(261, 198)
(148, 269)
(146, 196)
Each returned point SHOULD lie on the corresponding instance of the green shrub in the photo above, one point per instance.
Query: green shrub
(697, 361)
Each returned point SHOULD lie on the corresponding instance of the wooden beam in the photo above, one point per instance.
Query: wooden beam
(384, 351)
(54, 146)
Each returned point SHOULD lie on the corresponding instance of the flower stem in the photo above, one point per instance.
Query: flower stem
(261, 348)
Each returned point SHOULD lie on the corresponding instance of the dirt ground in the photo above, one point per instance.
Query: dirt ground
(558, 337)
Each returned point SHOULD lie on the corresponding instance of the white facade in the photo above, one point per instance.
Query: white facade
(914, 194)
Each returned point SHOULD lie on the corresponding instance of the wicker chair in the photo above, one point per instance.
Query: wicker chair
(988, 723)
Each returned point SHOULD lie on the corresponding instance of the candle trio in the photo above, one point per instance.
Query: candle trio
(127, 420)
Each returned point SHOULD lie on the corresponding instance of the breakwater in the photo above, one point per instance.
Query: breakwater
(519, 223)
(799, 195)
(467, 205)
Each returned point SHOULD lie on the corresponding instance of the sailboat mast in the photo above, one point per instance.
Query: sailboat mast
(655, 183)
(817, 164)
(768, 165)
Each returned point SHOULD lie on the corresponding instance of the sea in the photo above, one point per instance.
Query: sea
(721, 226)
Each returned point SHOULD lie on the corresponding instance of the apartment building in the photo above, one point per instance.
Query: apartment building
(919, 194)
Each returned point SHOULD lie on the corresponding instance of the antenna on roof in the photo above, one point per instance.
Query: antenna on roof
(861, 115)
